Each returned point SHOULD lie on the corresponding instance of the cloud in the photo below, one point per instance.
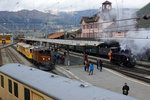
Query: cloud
(13, 5)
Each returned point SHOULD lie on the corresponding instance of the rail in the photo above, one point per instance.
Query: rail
(13, 56)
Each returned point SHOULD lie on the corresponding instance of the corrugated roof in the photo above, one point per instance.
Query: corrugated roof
(66, 42)
(56, 35)
(24, 45)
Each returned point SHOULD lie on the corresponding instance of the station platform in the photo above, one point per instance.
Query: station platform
(107, 79)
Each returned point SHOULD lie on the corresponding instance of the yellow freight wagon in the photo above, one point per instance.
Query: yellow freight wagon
(25, 49)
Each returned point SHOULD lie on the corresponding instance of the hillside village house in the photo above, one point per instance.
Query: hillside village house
(95, 26)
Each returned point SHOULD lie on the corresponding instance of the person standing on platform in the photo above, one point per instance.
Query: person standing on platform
(109, 54)
(125, 89)
(85, 57)
(58, 58)
(99, 64)
(91, 69)
(68, 61)
(85, 65)
(62, 59)
(54, 59)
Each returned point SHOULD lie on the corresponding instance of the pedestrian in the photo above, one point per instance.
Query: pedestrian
(99, 64)
(68, 61)
(87, 66)
(54, 59)
(91, 69)
(58, 58)
(62, 59)
(85, 57)
(109, 54)
(125, 89)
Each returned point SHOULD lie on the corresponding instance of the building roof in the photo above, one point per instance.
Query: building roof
(56, 35)
(24, 45)
(5, 34)
(66, 42)
(107, 2)
(79, 31)
(92, 19)
(58, 87)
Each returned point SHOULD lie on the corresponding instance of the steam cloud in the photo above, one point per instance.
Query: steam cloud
(137, 40)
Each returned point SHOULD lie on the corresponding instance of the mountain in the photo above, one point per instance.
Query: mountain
(144, 11)
(34, 20)
(75, 16)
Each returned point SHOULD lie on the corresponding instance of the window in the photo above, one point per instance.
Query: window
(91, 26)
(30, 51)
(16, 89)
(10, 85)
(26, 94)
(87, 26)
(84, 27)
(2, 81)
(95, 26)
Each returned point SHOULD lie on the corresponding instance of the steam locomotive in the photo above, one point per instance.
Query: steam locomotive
(118, 56)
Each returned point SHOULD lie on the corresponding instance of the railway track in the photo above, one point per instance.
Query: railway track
(13, 56)
(138, 72)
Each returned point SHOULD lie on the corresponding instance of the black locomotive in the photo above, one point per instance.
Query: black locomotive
(118, 56)
(123, 58)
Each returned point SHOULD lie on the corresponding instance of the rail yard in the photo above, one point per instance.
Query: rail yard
(140, 72)
(74, 50)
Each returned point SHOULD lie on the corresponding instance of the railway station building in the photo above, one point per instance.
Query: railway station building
(102, 24)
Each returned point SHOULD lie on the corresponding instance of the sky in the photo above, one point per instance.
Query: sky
(66, 5)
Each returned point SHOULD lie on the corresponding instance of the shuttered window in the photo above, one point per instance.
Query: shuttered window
(16, 89)
(10, 85)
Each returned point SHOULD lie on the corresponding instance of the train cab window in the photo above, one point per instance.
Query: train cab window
(2, 81)
(41, 51)
(48, 51)
(31, 50)
(10, 85)
(16, 89)
(26, 94)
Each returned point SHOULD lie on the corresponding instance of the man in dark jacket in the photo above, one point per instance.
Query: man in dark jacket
(99, 64)
(125, 89)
